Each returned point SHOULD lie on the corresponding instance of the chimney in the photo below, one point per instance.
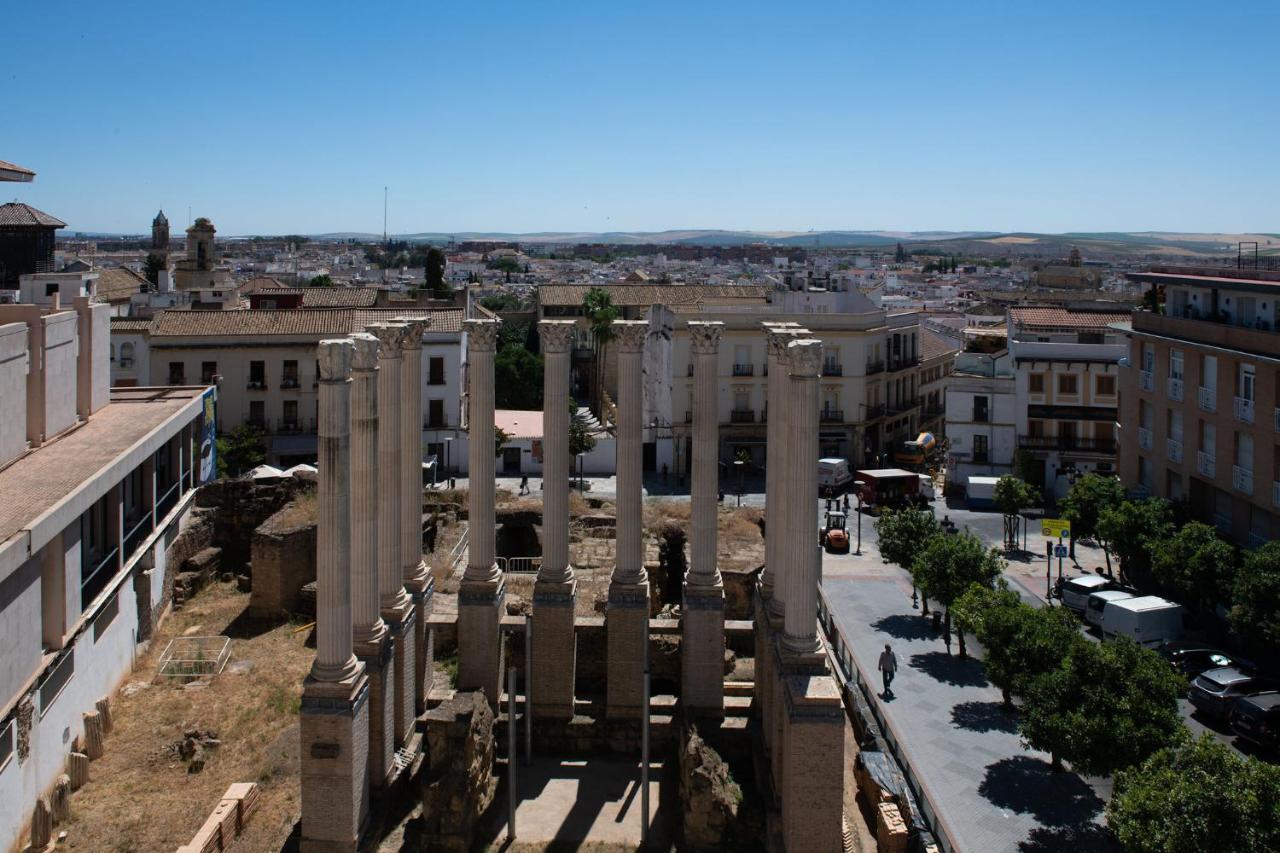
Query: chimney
(56, 304)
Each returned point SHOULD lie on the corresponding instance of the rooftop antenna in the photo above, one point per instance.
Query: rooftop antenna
(386, 246)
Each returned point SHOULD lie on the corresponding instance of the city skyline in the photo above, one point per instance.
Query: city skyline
(992, 117)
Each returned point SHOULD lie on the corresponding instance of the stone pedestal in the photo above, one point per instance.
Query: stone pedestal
(424, 648)
(626, 649)
(417, 580)
(812, 790)
(480, 658)
(402, 624)
(555, 650)
(379, 669)
(334, 723)
(702, 651)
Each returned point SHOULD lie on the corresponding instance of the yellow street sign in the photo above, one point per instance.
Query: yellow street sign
(1055, 528)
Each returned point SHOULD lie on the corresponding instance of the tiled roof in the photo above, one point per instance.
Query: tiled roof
(518, 423)
(933, 345)
(651, 294)
(119, 284)
(131, 324)
(339, 297)
(294, 322)
(15, 213)
(1060, 318)
(260, 282)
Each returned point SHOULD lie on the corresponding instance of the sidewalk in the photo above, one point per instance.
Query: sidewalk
(991, 794)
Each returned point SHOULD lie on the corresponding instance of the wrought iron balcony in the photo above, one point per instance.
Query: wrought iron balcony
(742, 416)
(744, 370)
(831, 368)
(1173, 449)
(1206, 465)
(1144, 438)
(874, 367)
(903, 363)
(832, 416)
(1242, 479)
(1067, 442)
(256, 385)
(289, 382)
(1173, 387)
(1244, 410)
(1146, 381)
(1207, 399)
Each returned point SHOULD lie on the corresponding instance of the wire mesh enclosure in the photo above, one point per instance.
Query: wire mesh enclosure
(192, 657)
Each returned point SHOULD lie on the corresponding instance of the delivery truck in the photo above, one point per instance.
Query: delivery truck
(889, 488)
(833, 477)
(1148, 620)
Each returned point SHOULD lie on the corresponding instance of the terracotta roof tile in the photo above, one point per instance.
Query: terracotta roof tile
(17, 214)
(131, 324)
(651, 294)
(119, 283)
(933, 345)
(1064, 318)
(293, 322)
(339, 297)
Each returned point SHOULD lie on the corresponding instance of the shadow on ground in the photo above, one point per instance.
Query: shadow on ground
(984, 717)
(950, 669)
(1070, 839)
(1028, 785)
(902, 626)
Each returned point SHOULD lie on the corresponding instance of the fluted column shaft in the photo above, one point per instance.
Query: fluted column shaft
(391, 594)
(335, 660)
(482, 338)
(413, 568)
(629, 336)
(705, 342)
(804, 567)
(556, 337)
(369, 627)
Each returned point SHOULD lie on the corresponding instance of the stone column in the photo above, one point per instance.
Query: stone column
(482, 594)
(555, 591)
(393, 600)
(627, 616)
(334, 717)
(804, 562)
(372, 640)
(702, 646)
(417, 580)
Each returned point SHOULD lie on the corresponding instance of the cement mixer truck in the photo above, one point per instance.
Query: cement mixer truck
(914, 453)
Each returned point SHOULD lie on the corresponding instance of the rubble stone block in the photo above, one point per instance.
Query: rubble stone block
(891, 829)
(78, 770)
(93, 745)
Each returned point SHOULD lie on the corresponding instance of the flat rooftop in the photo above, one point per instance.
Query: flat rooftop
(36, 483)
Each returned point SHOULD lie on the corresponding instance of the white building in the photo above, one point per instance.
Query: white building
(95, 484)
(981, 416)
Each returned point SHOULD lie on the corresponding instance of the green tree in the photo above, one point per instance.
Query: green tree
(322, 280)
(903, 535)
(434, 272)
(1134, 530)
(1200, 796)
(500, 437)
(1255, 613)
(1088, 498)
(581, 439)
(600, 311)
(1108, 706)
(1012, 496)
(241, 450)
(152, 267)
(1197, 566)
(949, 565)
(517, 378)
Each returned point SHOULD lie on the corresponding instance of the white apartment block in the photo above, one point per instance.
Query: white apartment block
(95, 485)
(981, 416)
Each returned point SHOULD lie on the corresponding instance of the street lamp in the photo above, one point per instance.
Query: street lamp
(580, 483)
(738, 465)
(448, 444)
(858, 484)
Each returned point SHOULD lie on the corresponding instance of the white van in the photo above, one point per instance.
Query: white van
(1076, 591)
(1098, 603)
(1148, 620)
(927, 491)
(833, 476)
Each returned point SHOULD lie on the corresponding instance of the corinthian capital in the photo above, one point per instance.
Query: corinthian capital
(555, 335)
(414, 328)
(390, 336)
(778, 335)
(804, 357)
(705, 336)
(335, 360)
(365, 357)
(630, 334)
(482, 335)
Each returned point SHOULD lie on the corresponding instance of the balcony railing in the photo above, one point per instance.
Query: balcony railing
(168, 500)
(744, 370)
(832, 416)
(1206, 465)
(1146, 381)
(904, 405)
(96, 580)
(1173, 449)
(1173, 387)
(1244, 410)
(742, 416)
(177, 379)
(288, 382)
(830, 368)
(1207, 398)
(903, 364)
(1144, 438)
(256, 385)
(1242, 479)
(875, 411)
(874, 367)
(435, 423)
(1067, 442)
(139, 530)
(295, 426)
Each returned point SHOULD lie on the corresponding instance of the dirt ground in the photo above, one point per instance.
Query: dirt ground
(141, 796)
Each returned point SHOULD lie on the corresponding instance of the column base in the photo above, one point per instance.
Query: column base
(702, 651)
(555, 650)
(377, 659)
(626, 625)
(422, 593)
(812, 791)
(480, 654)
(334, 724)
(782, 664)
(401, 624)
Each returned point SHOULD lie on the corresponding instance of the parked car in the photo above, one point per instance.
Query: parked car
(1256, 718)
(1075, 592)
(1098, 602)
(1215, 690)
(1191, 659)
(1148, 620)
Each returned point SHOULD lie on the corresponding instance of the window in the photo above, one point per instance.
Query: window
(1245, 382)
(1244, 450)
(1035, 429)
(208, 370)
(1067, 433)
(289, 376)
(435, 414)
(1174, 424)
(1035, 383)
(50, 288)
(981, 414)
(1068, 384)
(1209, 372)
(435, 371)
(1208, 437)
(56, 679)
(177, 373)
(6, 741)
(291, 413)
(741, 400)
(258, 413)
(110, 610)
(1106, 386)
(1175, 364)
(126, 354)
(979, 448)
(1148, 358)
(1104, 431)
(257, 374)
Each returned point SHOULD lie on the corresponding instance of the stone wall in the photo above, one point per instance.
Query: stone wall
(457, 778)
(708, 795)
(238, 507)
(284, 561)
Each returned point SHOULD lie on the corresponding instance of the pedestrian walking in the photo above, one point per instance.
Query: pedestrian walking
(524, 484)
(888, 666)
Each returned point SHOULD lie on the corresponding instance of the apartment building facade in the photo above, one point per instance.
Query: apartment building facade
(981, 419)
(1200, 413)
(97, 484)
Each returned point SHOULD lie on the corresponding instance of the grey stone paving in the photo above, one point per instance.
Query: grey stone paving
(992, 794)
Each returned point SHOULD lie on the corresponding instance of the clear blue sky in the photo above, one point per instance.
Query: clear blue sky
(291, 117)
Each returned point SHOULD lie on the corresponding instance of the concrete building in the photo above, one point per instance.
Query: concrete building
(26, 242)
(264, 363)
(1066, 367)
(1200, 412)
(106, 479)
(981, 415)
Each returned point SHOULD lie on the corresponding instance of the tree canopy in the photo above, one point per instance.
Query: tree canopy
(949, 565)
(241, 450)
(904, 534)
(1088, 498)
(1196, 566)
(1135, 529)
(434, 264)
(1012, 496)
(1255, 612)
(1200, 796)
